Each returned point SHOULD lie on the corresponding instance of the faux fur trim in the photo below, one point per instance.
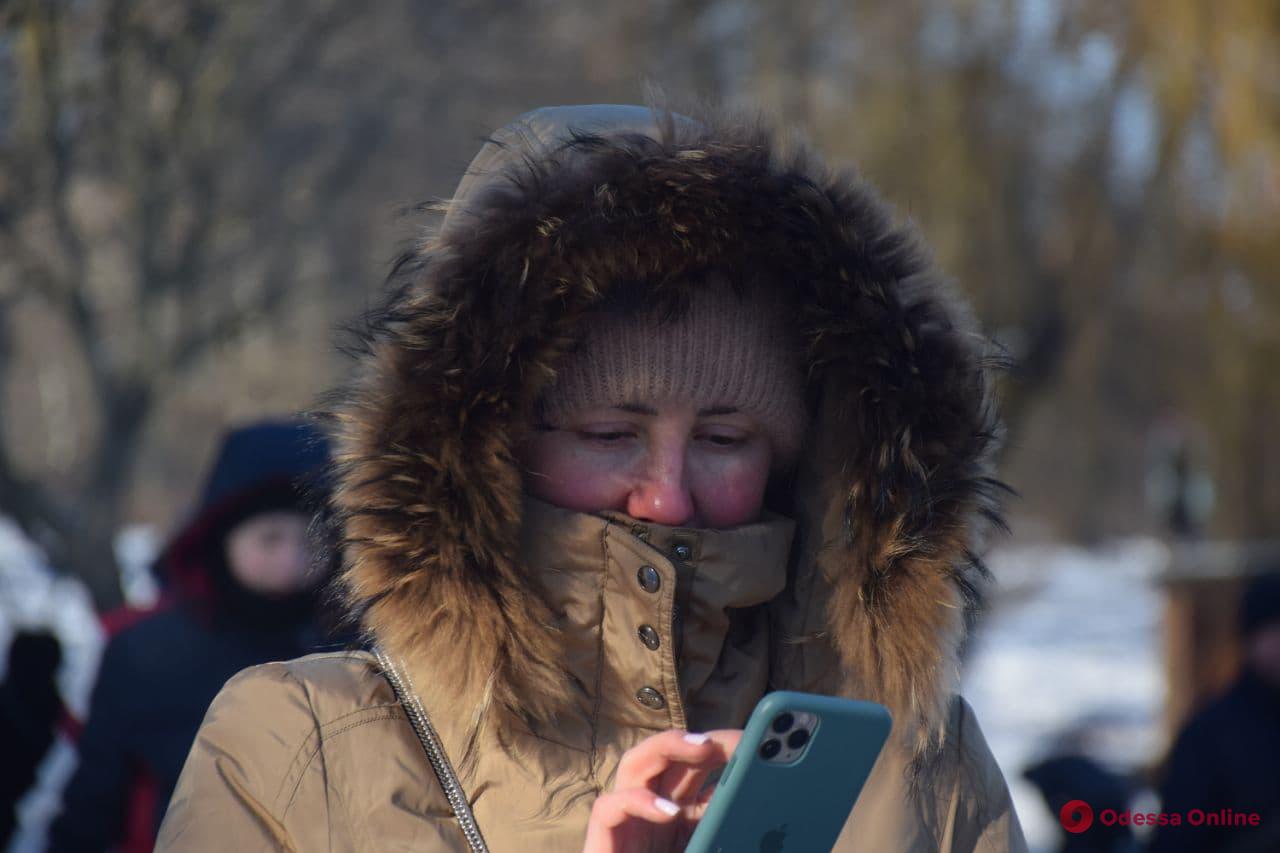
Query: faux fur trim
(428, 492)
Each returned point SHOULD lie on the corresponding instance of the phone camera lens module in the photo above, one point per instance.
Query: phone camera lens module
(770, 748)
(783, 721)
(798, 738)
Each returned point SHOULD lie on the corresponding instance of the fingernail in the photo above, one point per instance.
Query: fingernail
(666, 806)
(696, 737)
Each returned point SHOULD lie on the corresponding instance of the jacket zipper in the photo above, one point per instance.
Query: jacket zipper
(402, 684)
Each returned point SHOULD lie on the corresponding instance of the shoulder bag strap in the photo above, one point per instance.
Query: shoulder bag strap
(400, 682)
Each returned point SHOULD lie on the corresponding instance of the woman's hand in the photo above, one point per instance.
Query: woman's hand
(655, 802)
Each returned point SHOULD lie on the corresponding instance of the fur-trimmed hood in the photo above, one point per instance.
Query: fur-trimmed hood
(895, 487)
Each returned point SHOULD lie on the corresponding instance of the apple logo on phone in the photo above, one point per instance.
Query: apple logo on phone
(771, 841)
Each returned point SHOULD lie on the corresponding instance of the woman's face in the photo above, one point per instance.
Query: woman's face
(666, 462)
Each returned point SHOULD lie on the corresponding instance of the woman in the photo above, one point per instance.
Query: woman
(658, 420)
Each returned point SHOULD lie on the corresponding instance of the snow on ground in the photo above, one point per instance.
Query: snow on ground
(33, 596)
(1070, 646)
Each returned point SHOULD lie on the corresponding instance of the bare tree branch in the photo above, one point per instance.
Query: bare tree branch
(226, 327)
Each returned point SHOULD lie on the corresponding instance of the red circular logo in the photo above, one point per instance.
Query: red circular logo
(1076, 816)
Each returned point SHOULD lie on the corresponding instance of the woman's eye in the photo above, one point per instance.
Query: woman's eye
(604, 436)
(725, 440)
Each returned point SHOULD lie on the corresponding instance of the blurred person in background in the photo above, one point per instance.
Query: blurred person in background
(242, 587)
(1069, 775)
(660, 419)
(30, 707)
(1227, 756)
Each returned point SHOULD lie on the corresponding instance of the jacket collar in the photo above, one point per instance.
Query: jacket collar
(660, 624)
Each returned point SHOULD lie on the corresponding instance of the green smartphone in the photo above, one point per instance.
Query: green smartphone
(794, 776)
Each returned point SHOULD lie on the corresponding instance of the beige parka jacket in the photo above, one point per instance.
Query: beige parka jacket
(516, 623)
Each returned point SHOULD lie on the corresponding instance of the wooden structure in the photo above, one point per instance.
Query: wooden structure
(1203, 584)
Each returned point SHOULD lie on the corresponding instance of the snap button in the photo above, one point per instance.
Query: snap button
(682, 552)
(649, 637)
(650, 698)
(649, 578)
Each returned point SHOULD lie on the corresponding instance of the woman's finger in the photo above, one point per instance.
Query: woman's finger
(688, 784)
(683, 783)
(649, 759)
(612, 812)
(680, 782)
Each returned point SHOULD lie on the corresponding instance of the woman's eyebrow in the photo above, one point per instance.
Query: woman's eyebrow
(637, 408)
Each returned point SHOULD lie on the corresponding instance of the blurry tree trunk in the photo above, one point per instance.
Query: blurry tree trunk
(144, 108)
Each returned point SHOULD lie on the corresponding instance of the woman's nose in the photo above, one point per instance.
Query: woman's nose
(662, 495)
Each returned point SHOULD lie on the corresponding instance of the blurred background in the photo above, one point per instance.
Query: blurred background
(195, 195)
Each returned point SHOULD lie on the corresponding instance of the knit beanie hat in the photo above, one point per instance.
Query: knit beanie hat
(722, 351)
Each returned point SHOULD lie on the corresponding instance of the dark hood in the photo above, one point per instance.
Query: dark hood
(259, 467)
(895, 486)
